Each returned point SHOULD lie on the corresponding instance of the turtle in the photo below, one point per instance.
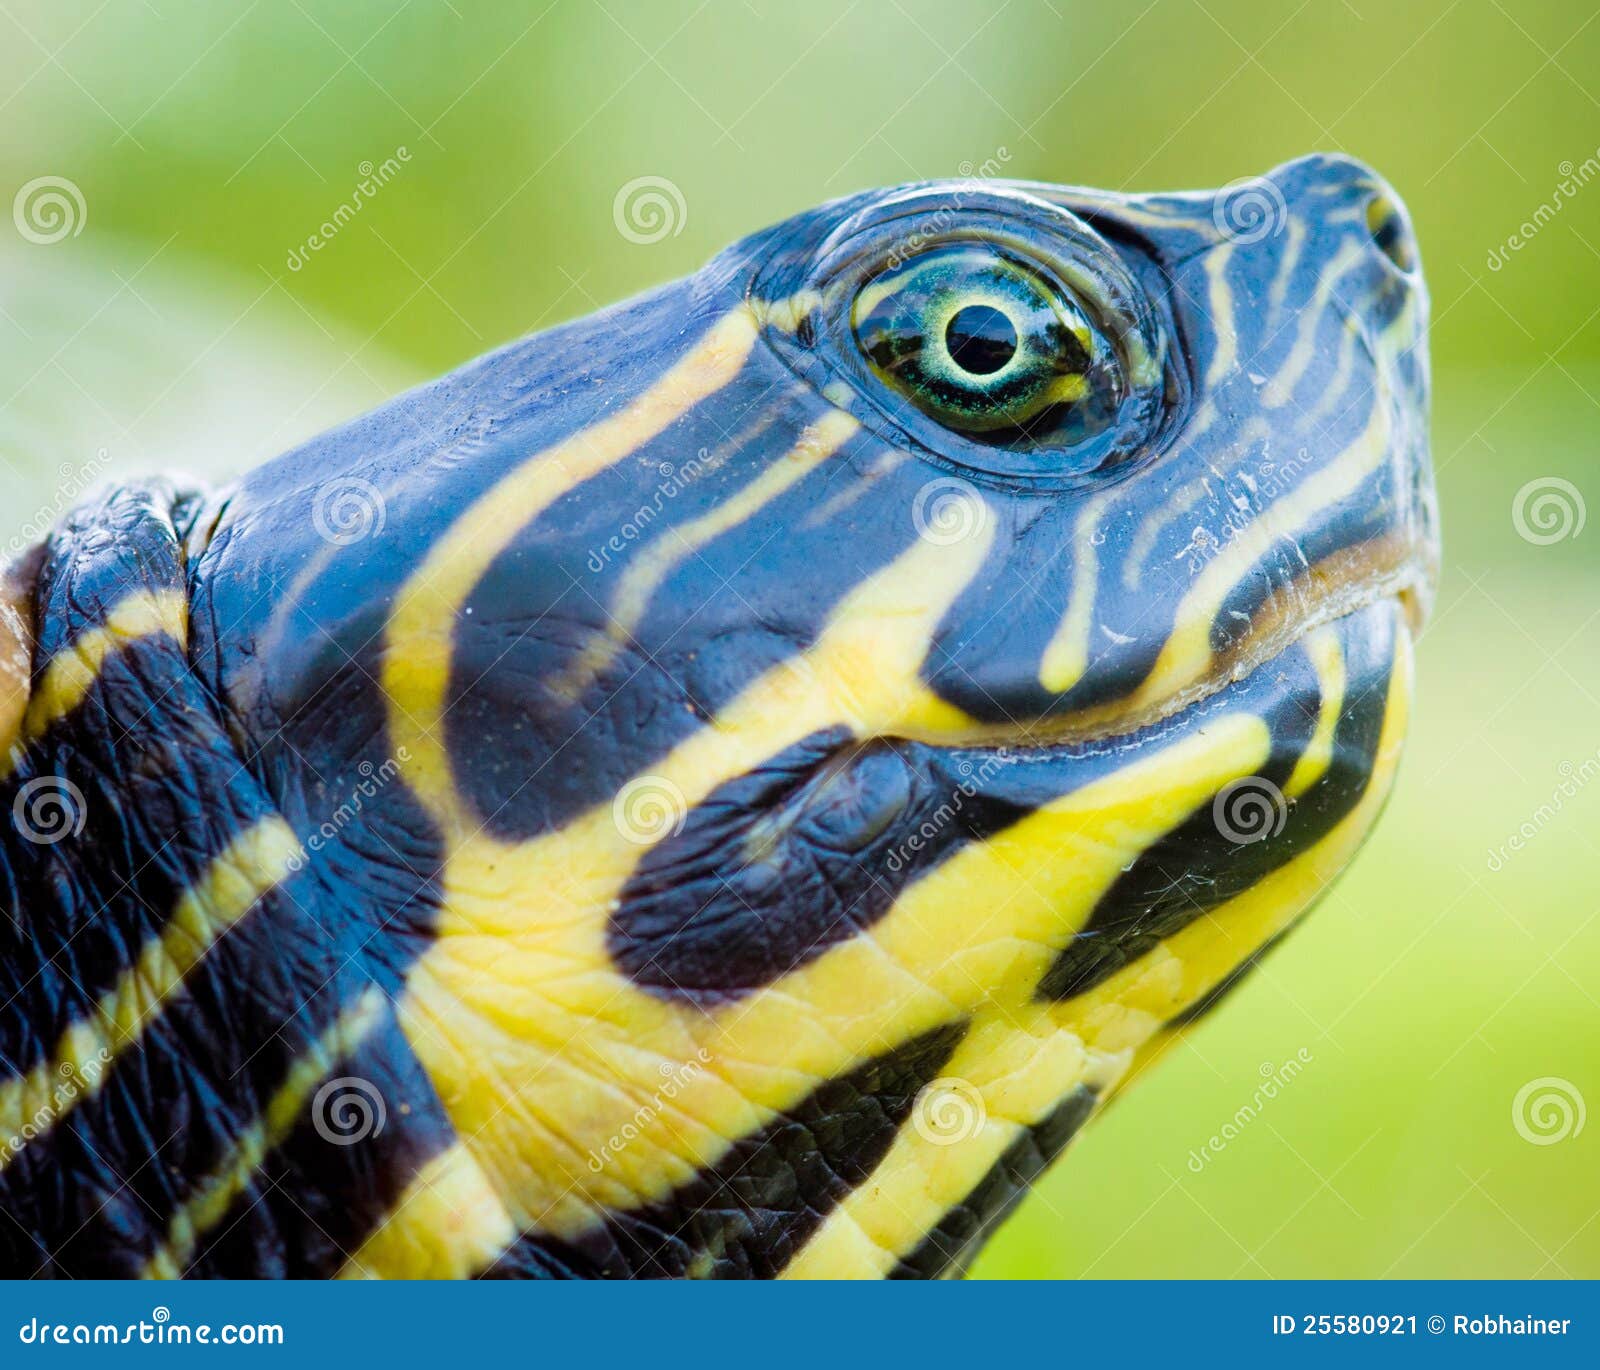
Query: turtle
(723, 787)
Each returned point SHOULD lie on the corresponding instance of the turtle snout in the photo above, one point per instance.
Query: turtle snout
(1389, 227)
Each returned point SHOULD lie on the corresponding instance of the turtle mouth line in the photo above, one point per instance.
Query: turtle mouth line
(1333, 589)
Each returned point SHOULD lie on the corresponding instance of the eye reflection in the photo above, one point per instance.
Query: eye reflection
(980, 339)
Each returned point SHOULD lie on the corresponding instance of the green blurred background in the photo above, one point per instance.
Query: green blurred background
(166, 328)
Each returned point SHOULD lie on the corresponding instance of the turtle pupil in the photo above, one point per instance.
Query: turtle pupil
(981, 339)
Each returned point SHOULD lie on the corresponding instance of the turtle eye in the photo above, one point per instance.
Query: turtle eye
(990, 346)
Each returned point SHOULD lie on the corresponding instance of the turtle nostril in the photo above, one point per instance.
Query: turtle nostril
(1386, 222)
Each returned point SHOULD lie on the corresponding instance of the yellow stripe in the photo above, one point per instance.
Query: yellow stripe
(515, 1008)
(211, 1200)
(449, 1226)
(1127, 1008)
(31, 1104)
(417, 665)
(1327, 659)
(1021, 1060)
(16, 669)
(1219, 296)
(74, 669)
(655, 563)
(1035, 883)
(1007, 1075)
(1280, 386)
(1066, 656)
(1186, 657)
(1290, 259)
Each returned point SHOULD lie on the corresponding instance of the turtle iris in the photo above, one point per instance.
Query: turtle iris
(989, 345)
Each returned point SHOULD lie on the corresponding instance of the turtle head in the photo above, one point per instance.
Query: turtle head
(836, 711)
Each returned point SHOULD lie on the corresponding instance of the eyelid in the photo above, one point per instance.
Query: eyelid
(1125, 426)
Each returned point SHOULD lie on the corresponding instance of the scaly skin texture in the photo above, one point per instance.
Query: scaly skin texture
(665, 800)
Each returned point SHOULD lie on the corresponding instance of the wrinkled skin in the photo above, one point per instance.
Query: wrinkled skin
(667, 799)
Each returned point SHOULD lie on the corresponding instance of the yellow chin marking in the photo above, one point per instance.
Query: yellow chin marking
(1021, 1063)
(449, 1225)
(985, 927)
(1125, 1010)
(541, 1050)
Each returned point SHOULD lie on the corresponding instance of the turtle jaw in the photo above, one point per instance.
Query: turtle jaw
(1193, 840)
